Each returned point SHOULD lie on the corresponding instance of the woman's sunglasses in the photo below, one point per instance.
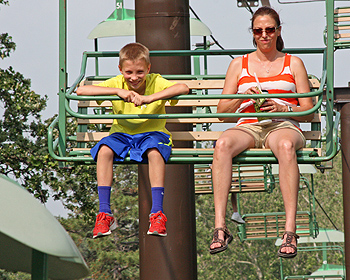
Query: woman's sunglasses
(268, 30)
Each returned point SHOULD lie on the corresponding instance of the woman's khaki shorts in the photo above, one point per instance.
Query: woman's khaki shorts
(261, 132)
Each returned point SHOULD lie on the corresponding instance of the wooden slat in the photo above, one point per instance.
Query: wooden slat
(341, 27)
(196, 103)
(183, 135)
(93, 103)
(318, 150)
(95, 121)
(257, 188)
(342, 36)
(192, 84)
(179, 121)
(271, 221)
(260, 227)
(183, 103)
(196, 135)
(252, 178)
(316, 119)
(199, 84)
(342, 22)
(341, 19)
(91, 136)
(312, 135)
(177, 135)
(273, 227)
(195, 120)
(314, 83)
(341, 10)
(202, 84)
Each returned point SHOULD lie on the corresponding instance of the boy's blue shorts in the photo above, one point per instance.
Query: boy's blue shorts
(137, 144)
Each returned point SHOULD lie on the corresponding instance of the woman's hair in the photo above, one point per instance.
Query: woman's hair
(134, 51)
(267, 11)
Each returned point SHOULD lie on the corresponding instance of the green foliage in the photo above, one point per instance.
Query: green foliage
(115, 256)
(22, 148)
(24, 157)
(6, 45)
(13, 276)
(258, 259)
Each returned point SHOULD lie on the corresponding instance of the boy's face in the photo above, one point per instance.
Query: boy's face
(135, 73)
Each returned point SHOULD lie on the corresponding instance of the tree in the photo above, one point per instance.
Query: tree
(24, 157)
(258, 259)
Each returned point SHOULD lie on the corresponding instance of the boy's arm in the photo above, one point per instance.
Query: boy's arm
(174, 90)
(98, 90)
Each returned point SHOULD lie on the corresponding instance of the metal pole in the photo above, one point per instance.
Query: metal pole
(330, 74)
(62, 76)
(164, 25)
(39, 265)
(345, 148)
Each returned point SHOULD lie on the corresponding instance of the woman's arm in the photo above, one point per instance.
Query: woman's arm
(302, 86)
(231, 87)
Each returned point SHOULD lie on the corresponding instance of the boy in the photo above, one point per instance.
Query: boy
(147, 139)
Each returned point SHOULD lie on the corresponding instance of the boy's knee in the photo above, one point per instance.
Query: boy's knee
(153, 152)
(105, 151)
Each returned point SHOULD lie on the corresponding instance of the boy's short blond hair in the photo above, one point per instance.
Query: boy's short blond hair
(134, 51)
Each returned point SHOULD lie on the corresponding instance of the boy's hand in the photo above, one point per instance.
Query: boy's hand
(127, 95)
(139, 100)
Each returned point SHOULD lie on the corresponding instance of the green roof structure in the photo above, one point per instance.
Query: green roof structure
(122, 23)
(31, 238)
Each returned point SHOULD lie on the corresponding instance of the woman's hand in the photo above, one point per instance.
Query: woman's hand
(272, 106)
(252, 90)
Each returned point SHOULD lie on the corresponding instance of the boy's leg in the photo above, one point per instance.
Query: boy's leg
(104, 169)
(156, 167)
(154, 147)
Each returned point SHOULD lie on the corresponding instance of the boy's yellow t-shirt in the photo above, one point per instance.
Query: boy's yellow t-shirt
(154, 83)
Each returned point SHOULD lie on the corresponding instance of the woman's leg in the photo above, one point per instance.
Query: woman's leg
(231, 143)
(284, 143)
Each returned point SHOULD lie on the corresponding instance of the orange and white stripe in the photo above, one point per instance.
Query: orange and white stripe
(281, 83)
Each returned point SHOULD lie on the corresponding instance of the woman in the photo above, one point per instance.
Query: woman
(276, 72)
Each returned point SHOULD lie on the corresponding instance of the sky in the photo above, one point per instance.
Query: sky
(34, 27)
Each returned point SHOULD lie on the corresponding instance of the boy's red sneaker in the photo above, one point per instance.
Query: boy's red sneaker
(105, 223)
(157, 224)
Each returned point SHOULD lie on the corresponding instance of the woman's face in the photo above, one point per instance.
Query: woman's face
(265, 32)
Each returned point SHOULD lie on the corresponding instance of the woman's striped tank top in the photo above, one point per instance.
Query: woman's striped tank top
(281, 83)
